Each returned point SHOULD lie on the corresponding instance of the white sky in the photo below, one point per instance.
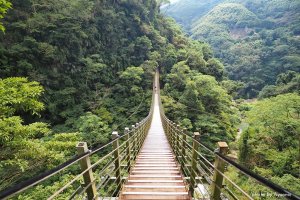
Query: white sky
(174, 1)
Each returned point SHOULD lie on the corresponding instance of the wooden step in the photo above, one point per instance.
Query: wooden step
(156, 177)
(143, 197)
(156, 165)
(170, 160)
(155, 181)
(162, 175)
(155, 168)
(146, 182)
(154, 172)
(156, 157)
(156, 195)
(155, 188)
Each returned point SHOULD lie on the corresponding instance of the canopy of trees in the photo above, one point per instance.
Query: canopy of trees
(271, 145)
(87, 74)
(257, 40)
(75, 70)
(258, 43)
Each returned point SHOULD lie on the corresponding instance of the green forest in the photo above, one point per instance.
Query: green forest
(76, 70)
(257, 42)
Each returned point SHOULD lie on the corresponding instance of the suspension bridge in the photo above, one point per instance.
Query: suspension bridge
(153, 159)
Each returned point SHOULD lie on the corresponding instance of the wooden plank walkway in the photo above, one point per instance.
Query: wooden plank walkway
(155, 174)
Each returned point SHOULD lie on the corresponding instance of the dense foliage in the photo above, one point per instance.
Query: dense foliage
(90, 73)
(70, 53)
(81, 61)
(271, 145)
(4, 6)
(258, 41)
(25, 147)
(193, 97)
(75, 70)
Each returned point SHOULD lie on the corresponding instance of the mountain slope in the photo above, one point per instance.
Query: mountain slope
(222, 18)
(258, 41)
(185, 12)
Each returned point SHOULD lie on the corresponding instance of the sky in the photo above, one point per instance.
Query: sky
(171, 2)
(174, 1)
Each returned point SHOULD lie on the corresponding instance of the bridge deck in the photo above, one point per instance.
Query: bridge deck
(155, 174)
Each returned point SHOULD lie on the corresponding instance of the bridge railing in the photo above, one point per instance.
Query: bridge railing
(94, 173)
(102, 171)
(211, 174)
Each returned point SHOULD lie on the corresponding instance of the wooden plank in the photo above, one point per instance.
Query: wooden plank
(156, 174)
(157, 193)
(155, 180)
(154, 186)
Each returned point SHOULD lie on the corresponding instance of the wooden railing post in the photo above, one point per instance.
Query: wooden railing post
(134, 141)
(139, 136)
(88, 177)
(219, 164)
(173, 135)
(117, 159)
(168, 128)
(177, 141)
(170, 133)
(144, 131)
(128, 150)
(194, 162)
(183, 146)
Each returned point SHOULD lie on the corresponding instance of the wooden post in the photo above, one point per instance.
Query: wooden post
(173, 135)
(117, 159)
(128, 150)
(177, 142)
(170, 132)
(134, 141)
(144, 131)
(88, 177)
(217, 182)
(138, 135)
(194, 162)
(183, 146)
(168, 129)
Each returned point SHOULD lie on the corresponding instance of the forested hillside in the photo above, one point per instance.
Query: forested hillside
(186, 12)
(74, 70)
(258, 42)
(270, 145)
